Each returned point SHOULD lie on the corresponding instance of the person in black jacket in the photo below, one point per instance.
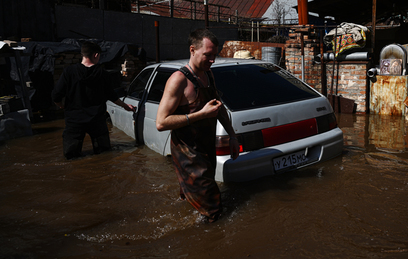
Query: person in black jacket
(82, 90)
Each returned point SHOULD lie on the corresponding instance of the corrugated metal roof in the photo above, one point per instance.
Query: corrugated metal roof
(225, 8)
(357, 11)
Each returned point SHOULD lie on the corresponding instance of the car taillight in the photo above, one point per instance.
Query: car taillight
(332, 121)
(222, 145)
(326, 122)
(289, 132)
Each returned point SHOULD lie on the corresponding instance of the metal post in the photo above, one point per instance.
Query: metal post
(171, 8)
(252, 32)
(322, 66)
(206, 13)
(374, 19)
(303, 12)
(302, 53)
(334, 61)
(156, 25)
(257, 30)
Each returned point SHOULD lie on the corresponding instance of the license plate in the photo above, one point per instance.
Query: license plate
(290, 161)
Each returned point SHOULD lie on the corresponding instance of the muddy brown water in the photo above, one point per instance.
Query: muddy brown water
(123, 203)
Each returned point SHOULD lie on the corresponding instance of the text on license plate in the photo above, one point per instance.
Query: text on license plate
(291, 160)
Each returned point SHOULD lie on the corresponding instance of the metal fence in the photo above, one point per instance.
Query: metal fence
(249, 29)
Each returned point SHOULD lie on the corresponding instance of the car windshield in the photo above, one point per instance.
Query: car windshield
(258, 85)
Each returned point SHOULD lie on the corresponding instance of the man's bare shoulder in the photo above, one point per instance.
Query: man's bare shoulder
(177, 78)
(177, 82)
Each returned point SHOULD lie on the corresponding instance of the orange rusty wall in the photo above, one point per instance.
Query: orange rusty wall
(387, 95)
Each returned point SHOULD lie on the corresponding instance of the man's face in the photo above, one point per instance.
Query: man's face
(204, 56)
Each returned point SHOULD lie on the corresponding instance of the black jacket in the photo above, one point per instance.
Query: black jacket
(86, 90)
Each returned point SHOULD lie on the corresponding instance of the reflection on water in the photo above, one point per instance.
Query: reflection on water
(123, 203)
(374, 131)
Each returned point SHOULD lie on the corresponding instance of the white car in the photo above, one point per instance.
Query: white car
(281, 123)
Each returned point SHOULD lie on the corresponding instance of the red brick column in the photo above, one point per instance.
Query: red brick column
(350, 77)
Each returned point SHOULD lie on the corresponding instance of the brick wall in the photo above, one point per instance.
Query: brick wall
(255, 48)
(349, 79)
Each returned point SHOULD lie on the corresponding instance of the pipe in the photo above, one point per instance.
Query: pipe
(322, 66)
(302, 54)
(303, 12)
(252, 32)
(373, 22)
(334, 62)
(257, 30)
(352, 56)
(372, 72)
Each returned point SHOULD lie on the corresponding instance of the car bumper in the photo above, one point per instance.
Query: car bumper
(256, 164)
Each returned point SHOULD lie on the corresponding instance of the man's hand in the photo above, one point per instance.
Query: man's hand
(211, 108)
(129, 107)
(125, 106)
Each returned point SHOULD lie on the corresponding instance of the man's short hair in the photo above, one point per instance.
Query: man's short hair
(88, 49)
(197, 36)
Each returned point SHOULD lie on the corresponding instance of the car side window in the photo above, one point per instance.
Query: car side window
(157, 89)
(139, 84)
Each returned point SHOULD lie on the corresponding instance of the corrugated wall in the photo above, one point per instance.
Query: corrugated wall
(134, 28)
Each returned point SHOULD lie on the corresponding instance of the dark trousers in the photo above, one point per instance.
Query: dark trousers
(74, 134)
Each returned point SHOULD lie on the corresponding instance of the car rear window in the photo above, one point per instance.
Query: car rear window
(258, 85)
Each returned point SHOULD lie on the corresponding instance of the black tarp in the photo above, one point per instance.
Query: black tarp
(38, 59)
(42, 54)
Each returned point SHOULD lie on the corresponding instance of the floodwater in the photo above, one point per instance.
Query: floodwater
(124, 203)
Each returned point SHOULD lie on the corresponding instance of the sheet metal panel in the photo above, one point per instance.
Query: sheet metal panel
(387, 95)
